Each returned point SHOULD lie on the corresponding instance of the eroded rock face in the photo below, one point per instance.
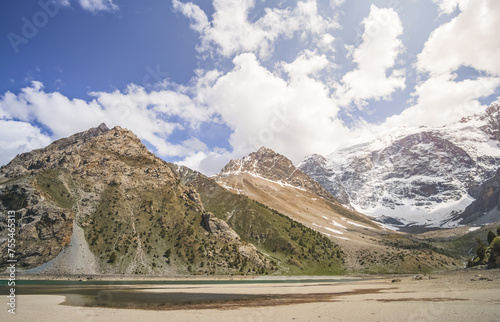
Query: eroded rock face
(43, 228)
(219, 228)
(486, 208)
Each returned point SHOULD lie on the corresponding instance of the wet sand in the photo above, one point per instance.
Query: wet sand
(458, 296)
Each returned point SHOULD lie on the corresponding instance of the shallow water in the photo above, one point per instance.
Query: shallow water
(135, 294)
(182, 282)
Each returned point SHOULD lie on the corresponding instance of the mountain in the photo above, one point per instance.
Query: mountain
(414, 177)
(297, 248)
(267, 164)
(272, 180)
(99, 202)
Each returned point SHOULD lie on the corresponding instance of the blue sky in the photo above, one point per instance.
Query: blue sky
(202, 82)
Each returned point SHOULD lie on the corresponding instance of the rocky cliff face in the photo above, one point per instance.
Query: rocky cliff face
(486, 207)
(316, 166)
(136, 216)
(45, 228)
(414, 176)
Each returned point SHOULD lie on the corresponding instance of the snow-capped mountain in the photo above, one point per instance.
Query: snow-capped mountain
(418, 176)
(267, 164)
(272, 179)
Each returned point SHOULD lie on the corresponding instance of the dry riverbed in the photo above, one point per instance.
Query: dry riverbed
(472, 295)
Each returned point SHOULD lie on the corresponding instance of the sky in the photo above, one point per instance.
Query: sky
(201, 82)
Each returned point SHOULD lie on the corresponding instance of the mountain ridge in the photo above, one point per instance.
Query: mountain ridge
(418, 176)
(99, 202)
(275, 167)
(366, 246)
(130, 205)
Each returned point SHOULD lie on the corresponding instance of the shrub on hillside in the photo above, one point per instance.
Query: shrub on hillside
(494, 250)
(491, 236)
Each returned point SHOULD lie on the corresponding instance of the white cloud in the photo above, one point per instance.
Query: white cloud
(446, 6)
(326, 42)
(18, 137)
(147, 114)
(207, 162)
(231, 32)
(306, 64)
(194, 144)
(193, 12)
(375, 57)
(470, 39)
(441, 100)
(295, 118)
(98, 5)
(336, 3)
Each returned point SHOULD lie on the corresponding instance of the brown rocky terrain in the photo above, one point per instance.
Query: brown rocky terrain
(135, 216)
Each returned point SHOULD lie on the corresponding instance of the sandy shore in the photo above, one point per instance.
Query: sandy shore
(458, 296)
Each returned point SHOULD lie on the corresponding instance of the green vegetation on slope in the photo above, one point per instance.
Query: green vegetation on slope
(487, 254)
(412, 255)
(49, 182)
(299, 249)
(159, 232)
(461, 246)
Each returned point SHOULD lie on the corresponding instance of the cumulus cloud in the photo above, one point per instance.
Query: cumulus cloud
(17, 137)
(375, 57)
(148, 114)
(470, 39)
(442, 100)
(446, 6)
(294, 117)
(336, 3)
(207, 162)
(98, 5)
(231, 32)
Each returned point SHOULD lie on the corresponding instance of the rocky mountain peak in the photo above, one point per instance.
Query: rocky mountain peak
(487, 121)
(494, 108)
(493, 124)
(317, 167)
(264, 162)
(81, 136)
(99, 145)
(273, 166)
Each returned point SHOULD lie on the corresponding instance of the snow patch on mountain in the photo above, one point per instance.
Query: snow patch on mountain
(414, 176)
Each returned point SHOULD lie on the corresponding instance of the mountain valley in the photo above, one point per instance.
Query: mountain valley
(99, 202)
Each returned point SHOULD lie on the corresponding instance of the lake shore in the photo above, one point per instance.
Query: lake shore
(468, 295)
